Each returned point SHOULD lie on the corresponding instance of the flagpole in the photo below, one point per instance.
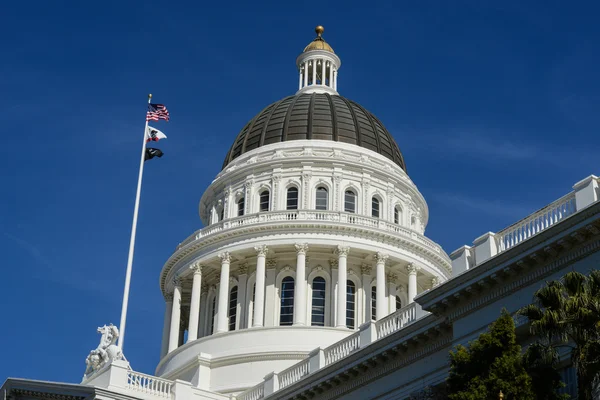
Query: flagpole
(132, 240)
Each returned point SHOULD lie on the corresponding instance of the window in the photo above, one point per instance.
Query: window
(318, 302)
(286, 315)
(397, 215)
(233, 294)
(373, 303)
(350, 303)
(241, 204)
(212, 314)
(264, 200)
(221, 214)
(322, 199)
(292, 198)
(350, 201)
(375, 207)
(398, 303)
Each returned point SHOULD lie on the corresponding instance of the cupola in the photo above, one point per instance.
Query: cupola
(318, 66)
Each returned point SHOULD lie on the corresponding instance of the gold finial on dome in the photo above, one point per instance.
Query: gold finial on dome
(319, 43)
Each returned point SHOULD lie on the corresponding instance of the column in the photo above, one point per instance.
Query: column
(366, 284)
(333, 264)
(195, 303)
(314, 71)
(412, 282)
(381, 308)
(242, 301)
(259, 295)
(222, 323)
(175, 315)
(167, 324)
(305, 73)
(391, 281)
(203, 303)
(300, 80)
(300, 285)
(323, 72)
(342, 253)
(335, 79)
(270, 303)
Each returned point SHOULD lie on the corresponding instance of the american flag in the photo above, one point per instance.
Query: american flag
(156, 112)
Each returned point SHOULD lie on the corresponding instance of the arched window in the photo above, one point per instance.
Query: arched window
(350, 201)
(292, 198)
(350, 304)
(241, 204)
(398, 303)
(318, 302)
(286, 314)
(264, 200)
(233, 294)
(375, 207)
(221, 214)
(373, 303)
(322, 199)
(212, 315)
(413, 221)
(397, 215)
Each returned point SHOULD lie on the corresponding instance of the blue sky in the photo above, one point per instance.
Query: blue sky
(494, 106)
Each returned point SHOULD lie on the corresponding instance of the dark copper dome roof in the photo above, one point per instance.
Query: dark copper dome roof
(318, 116)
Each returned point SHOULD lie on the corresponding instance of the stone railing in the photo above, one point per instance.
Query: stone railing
(148, 384)
(254, 393)
(293, 373)
(342, 349)
(398, 320)
(536, 222)
(321, 358)
(315, 216)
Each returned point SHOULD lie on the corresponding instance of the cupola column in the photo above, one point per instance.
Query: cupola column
(381, 308)
(335, 73)
(300, 285)
(195, 302)
(300, 78)
(412, 282)
(259, 293)
(222, 325)
(323, 72)
(167, 324)
(175, 316)
(342, 253)
(305, 74)
(314, 72)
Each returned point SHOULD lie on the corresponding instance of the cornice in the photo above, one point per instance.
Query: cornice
(182, 254)
(551, 250)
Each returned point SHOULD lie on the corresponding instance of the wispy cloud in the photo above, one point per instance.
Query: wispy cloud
(490, 207)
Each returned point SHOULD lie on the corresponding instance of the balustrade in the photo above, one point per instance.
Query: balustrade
(254, 393)
(342, 349)
(398, 320)
(293, 374)
(149, 384)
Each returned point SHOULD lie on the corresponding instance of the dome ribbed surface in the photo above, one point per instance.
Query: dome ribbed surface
(319, 116)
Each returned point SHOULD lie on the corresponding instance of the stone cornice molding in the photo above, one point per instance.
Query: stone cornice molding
(301, 248)
(261, 250)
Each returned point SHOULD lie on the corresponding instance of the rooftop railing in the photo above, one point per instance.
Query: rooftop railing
(312, 216)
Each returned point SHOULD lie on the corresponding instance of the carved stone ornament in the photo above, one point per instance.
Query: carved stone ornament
(366, 269)
(435, 281)
(392, 278)
(342, 251)
(177, 282)
(381, 257)
(225, 257)
(412, 269)
(249, 184)
(196, 267)
(319, 267)
(261, 250)
(106, 352)
(243, 269)
(333, 263)
(169, 297)
(272, 263)
(301, 248)
(287, 268)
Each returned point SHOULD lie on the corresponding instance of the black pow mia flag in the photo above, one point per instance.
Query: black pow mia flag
(151, 153)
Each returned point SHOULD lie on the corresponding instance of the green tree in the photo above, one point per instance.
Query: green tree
(491, 363)
(566, 312)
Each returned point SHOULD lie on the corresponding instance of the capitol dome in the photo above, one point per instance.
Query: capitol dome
(316, 116)
(312, 229)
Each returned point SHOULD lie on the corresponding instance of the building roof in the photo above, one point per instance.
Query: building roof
(319, 116)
